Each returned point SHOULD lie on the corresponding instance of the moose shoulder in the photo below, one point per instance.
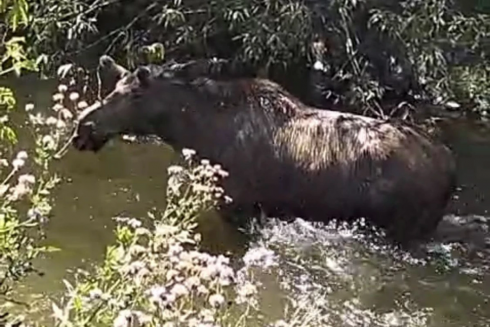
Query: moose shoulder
(290, 159)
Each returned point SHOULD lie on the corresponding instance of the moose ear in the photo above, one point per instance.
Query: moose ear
(143, 75)
(108, 64)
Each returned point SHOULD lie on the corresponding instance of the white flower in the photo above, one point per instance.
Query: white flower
(60, 124)
(35, 214)
(36, 119)
(226, 275)
(175, 249)
(58, 97)
(62, 88)
(82, 105)
(173, 170)
(280, 323)
(179, 290)
(157, 291)
(223, 173)
(192, 282)
(188, 153)
(18, 163)
(158, 294)
(318, 65)
(209, 272)
(245, 292)
(201, 289)
(27, 179)
(57, 107)
(66, 114)
(23, 187)
(222, 260)
(128, 318)
(29, 107)
(123, 319)
(48, 142)
(134, 223)
(22, 155)
(74, 96)
(216, 300)
(51, 121)
(165, 230)
(171, 274)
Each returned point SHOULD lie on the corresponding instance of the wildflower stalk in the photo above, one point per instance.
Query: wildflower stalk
(25, 195)
(155, 274)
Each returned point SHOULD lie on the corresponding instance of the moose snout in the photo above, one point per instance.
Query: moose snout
(83, 134)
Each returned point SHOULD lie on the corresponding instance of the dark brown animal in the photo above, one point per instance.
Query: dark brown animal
(290, 159)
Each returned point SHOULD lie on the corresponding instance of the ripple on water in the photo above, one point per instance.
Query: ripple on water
(350, 278)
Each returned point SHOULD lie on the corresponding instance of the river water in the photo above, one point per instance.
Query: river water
(444, 285)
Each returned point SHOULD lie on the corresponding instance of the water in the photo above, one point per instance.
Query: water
(452, 285)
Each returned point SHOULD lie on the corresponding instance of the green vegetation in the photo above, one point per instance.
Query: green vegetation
(156, 275)
(374, 52)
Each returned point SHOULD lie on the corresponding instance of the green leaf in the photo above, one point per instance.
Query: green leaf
(19, 14)
(7, 98)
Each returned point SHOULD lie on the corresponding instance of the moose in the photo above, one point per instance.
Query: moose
(283, 157)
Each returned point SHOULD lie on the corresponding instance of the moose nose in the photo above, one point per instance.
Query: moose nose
(82, 135)
(77, 142)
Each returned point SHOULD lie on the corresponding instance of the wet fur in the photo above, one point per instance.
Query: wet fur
(291, 159)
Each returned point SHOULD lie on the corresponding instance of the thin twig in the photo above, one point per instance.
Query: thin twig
(89, 10)
(114, 32)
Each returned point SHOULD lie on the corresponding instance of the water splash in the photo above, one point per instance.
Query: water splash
(359, 279)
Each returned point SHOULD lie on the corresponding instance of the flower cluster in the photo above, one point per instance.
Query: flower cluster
(55, 127)
(157, 276)
(25, 190)
(199, 183)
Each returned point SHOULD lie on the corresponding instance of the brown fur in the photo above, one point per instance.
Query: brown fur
(291, 159)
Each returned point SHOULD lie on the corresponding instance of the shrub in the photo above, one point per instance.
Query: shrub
(157, 275)
(25, 191)
(372, 51)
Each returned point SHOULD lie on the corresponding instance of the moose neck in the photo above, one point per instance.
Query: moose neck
(210, 123)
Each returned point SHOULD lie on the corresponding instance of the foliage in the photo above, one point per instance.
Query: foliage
(26, 187)
(13, 56)
(25, 203)
(151, 275)
(16, 12)
(445, 48)
(156, 275)
(372, 51)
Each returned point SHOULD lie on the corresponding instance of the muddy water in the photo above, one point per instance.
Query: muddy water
(445, 285)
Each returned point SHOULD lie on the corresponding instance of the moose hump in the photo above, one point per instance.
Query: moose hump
(289, 159)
